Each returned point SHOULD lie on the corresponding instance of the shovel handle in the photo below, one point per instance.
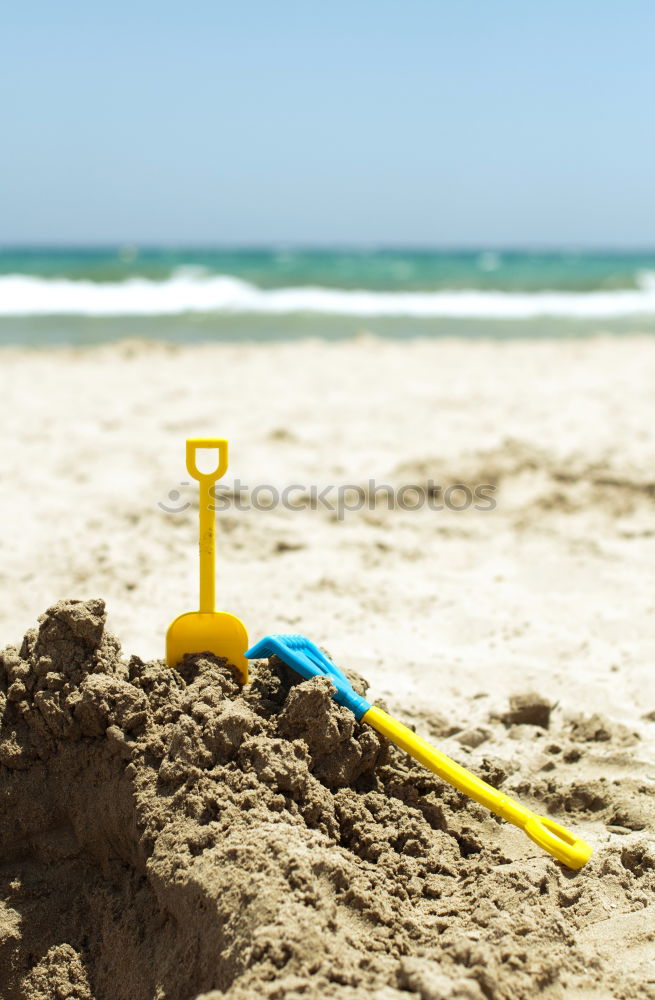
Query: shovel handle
(560, 843)
(206, 534)
(192, 446)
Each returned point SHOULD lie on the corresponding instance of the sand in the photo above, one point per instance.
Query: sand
(449, 615)
(167, 834)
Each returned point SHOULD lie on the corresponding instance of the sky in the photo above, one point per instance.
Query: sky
(415, 122)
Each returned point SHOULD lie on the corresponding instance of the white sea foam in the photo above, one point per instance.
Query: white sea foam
(196, 291)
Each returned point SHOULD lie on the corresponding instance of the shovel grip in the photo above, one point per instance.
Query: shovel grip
(192, 446)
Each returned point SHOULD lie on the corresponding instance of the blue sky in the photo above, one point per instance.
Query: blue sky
(353, 121)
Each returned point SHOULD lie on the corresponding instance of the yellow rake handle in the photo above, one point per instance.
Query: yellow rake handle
(560, 843)
(206, 536)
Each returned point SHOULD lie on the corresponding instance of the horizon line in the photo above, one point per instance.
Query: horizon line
(281, 246)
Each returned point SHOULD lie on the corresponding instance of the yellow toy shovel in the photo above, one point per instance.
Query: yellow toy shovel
(207, 630)
(307, 659)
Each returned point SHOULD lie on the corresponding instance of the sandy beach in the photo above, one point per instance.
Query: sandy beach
(551, 587)
(401, 260)
(447, 613)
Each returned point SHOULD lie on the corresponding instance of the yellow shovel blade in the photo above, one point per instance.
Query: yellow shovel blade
(208, 632)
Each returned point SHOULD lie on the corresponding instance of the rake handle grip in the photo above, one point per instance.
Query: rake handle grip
(552, 837)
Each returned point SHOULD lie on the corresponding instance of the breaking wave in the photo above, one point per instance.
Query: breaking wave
(196, 291)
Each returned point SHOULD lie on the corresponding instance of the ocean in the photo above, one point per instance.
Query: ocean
(93, 295)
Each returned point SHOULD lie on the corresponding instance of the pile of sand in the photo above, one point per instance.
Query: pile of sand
(166, 834)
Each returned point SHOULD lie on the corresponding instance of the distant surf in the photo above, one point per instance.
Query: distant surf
(193, 290)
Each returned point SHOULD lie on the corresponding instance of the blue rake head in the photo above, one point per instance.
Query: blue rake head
(305, 658)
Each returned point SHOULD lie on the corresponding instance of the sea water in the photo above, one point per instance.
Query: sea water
(92, 295)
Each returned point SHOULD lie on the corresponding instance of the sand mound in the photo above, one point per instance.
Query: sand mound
(167, 834)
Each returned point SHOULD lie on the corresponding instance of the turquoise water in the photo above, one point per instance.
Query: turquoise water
(391, 270)
(92, 295)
